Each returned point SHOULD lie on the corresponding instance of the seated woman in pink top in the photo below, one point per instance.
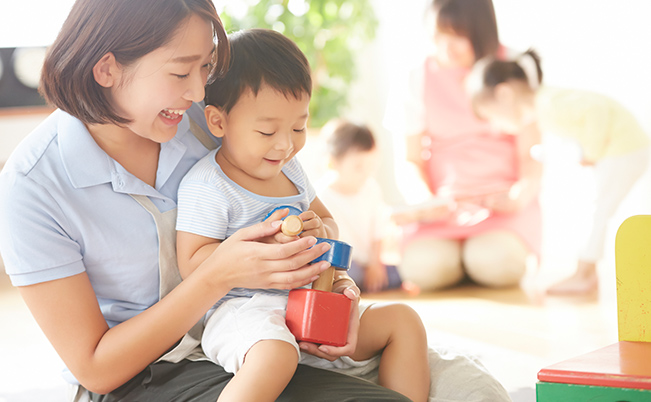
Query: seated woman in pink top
(482, 218)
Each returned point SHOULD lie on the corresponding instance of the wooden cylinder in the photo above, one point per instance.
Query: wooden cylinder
(324, 282)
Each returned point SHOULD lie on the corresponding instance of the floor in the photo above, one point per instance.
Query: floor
(513, 333)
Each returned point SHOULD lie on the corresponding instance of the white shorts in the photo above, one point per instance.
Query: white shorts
(238, 324)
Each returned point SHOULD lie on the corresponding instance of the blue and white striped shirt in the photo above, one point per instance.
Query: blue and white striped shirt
(210, 204)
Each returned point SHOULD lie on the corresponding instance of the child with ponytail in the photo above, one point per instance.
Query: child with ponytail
(509, 94)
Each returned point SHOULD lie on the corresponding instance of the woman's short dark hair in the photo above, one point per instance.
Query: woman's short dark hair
(474, 19)
(129, 29)
(345, 136)
(261, 56)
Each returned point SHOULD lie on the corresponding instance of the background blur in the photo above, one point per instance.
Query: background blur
(601, 45)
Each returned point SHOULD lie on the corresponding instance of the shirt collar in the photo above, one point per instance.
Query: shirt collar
(88, 165)
(85, 162)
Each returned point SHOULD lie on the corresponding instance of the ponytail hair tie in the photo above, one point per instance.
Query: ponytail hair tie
(530, 67)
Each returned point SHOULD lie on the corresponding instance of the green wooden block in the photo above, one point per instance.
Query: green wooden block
(559, 392)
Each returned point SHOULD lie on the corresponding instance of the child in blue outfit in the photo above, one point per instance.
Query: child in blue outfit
(260, 111)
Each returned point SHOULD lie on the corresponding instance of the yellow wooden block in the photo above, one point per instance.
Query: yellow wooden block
(633, 265)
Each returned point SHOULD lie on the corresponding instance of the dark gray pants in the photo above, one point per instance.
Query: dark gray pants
(204, 381)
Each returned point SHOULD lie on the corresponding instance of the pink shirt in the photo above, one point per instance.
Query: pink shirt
(467, 158)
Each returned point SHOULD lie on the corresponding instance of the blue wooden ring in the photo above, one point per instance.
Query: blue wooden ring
(339, 255)
(292, 211)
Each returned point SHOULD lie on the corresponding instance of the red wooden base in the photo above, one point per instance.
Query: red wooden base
(623, 365)
(319, 317)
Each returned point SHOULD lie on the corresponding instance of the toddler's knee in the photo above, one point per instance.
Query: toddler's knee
(432, 263)
(402, 318)
(496, 259)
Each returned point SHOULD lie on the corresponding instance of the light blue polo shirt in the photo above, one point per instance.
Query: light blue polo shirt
(65, 208)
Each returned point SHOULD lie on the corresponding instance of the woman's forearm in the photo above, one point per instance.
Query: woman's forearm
(100, 358)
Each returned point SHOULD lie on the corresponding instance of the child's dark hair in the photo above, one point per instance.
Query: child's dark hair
(128, 29)
(474, 19)
(490, 72)
(261, 56)
(345, 136)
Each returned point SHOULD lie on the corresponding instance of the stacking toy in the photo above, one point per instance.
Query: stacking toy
(621, 371)
(317, 315)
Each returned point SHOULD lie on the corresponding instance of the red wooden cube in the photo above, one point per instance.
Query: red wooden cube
(319, 317)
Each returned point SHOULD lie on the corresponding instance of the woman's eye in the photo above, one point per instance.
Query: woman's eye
(302, 130)
(181, 76)
(207, 66)
(267, 134)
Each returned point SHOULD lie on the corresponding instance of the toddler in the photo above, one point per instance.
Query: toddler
(355, 200)
(260, 110)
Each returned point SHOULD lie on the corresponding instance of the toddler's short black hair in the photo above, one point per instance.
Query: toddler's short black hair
(261, 56)
(345, 136)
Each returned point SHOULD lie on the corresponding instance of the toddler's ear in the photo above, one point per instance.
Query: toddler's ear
(216, 119)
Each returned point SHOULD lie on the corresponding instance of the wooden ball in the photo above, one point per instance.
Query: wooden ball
(292, 225)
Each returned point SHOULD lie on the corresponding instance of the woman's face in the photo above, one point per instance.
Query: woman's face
(159, 87)
(453, 50)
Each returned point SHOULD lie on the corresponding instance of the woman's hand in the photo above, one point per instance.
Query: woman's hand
(243, 260)
(512, 200)
(276, 219)
(436, 209)
(347, 287)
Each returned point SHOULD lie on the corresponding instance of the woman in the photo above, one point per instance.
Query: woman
(483, 219)
(89, 203)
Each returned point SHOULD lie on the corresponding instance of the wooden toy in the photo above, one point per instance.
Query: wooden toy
(317, 315)
(292, 225)
(622, 371)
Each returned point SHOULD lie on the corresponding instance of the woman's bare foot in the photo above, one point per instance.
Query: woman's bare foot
(584, 281)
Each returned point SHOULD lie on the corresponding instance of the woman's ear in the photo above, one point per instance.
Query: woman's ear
(216, 119)
(106, 71)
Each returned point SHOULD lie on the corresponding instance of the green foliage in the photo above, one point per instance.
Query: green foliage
(329, 32)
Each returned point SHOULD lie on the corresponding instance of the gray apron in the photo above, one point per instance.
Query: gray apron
(190, 345)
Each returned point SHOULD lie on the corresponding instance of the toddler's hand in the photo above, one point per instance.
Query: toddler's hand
(347, 287)
(312, 225)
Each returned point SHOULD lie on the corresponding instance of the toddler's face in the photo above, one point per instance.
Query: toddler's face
(357, 166)
(453, 50)
(500, 113)
(262, 133)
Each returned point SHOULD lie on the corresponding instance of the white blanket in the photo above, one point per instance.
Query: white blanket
(455, 377)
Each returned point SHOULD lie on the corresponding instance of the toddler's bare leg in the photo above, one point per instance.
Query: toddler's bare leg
(396, 331)
(266, 371)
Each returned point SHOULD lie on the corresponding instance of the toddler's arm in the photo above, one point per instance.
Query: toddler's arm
(192, 250)
(526, 188)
